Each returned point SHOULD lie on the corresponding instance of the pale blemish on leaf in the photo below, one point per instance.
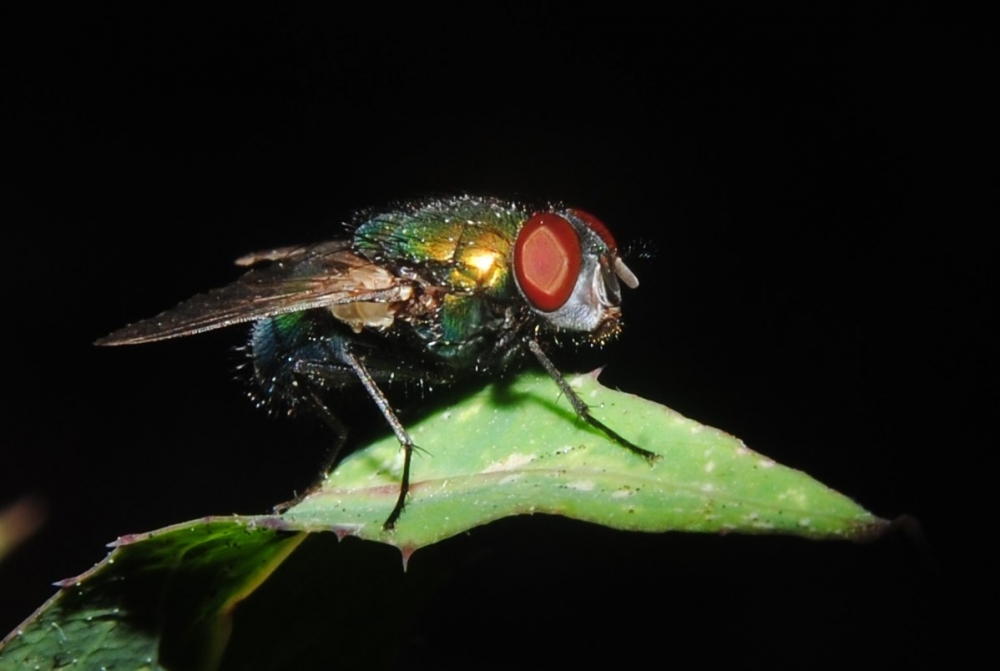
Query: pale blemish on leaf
(516, 460)
(471, 412)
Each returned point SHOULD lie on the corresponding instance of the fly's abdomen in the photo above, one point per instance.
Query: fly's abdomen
(278, 343)
(301, 353)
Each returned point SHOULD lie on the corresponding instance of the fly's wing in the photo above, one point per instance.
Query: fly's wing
(299, 279)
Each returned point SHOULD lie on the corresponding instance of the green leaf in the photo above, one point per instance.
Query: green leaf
(518, 448)
(166, 599)
(175, 587)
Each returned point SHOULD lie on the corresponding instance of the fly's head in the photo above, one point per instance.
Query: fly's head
(567, 268)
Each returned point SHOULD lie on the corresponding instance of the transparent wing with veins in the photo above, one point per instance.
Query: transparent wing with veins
(299, 278)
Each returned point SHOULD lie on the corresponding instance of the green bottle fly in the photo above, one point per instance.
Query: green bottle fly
(430, 291)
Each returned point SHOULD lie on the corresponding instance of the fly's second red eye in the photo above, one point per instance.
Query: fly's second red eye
(547, 260)
(597, 226)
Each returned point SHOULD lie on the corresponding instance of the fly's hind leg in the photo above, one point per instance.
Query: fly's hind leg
(582, 411)
(320, 409)
(309, 395)
(320, 369)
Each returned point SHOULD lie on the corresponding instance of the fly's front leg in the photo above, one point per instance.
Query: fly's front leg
(349, 358)
(582, 411)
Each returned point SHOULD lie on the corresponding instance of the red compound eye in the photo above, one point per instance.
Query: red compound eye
(547, 259)
(597, 226)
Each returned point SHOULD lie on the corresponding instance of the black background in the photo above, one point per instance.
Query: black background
(815, 187)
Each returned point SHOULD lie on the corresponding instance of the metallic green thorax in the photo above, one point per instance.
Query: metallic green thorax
(462, 245)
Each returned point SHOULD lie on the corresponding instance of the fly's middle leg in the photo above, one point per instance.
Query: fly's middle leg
(319, 369)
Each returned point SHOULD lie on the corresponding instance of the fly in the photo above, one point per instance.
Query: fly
(430, 291)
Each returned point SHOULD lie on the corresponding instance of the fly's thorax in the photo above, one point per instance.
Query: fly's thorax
(456, 254)
(567, 269)
(462, 243)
